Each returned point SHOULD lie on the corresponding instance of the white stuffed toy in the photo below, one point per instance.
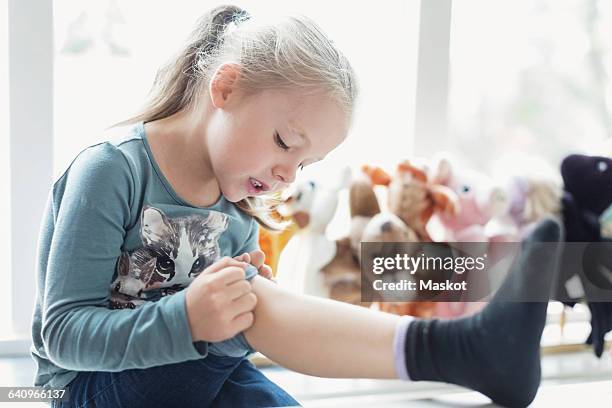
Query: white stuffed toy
(312, 206)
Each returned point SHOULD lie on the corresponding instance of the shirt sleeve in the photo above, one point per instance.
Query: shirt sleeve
(252, 240)
(90, 212)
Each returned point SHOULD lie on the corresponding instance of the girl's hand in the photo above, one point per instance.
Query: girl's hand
(220, 302)
(257, 258)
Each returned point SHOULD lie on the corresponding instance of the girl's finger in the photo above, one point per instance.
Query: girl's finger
(257, 258)
(244, 257)
(266, 271)
(238, 289)
(244, 303)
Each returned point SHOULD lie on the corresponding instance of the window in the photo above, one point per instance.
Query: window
(529, 76)
(106, 56)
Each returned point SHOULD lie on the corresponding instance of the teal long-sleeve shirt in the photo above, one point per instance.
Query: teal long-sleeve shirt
(117, 246)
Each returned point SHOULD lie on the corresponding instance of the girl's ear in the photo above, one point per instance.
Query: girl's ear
(223, 83)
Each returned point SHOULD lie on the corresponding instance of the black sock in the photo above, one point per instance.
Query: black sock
(496, 351)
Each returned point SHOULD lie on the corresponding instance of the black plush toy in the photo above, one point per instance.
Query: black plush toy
(588, 193)
(587, 182)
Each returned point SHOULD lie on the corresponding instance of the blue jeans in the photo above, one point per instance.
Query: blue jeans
(214, 381)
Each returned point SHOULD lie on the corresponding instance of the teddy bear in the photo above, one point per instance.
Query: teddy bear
(411, 200)
(342, 275)
(313, 264)
(413, 196)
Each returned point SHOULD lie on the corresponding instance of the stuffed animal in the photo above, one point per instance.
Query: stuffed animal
(532, 198)
(411, 201)
(482, 217)
(587, 182)
(483, 206)
(272, 244)
(313, 264)
(605, 222)
(312, 206)
(363, 205)
(534, 189)
(342, 275)
(413, 197)
(588, 193)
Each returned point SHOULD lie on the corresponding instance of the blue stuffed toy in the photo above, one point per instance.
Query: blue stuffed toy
(605, 222)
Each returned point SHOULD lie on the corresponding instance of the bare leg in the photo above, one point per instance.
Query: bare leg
(319, 336)
(495, 352)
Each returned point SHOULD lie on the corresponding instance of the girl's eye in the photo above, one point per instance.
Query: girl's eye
(279, 141)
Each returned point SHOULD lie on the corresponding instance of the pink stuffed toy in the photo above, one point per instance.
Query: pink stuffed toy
(482, 216)
(483, 213)
(490, 212)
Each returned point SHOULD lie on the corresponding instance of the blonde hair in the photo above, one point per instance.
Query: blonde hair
(287, 55)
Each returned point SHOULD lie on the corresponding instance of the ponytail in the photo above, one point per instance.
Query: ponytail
(178, 82)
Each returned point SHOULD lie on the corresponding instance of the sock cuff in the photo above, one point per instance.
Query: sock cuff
(399, 346)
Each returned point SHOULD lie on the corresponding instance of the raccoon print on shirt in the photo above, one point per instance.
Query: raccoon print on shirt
(175, 251)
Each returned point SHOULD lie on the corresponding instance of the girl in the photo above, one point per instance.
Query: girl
(173, 202)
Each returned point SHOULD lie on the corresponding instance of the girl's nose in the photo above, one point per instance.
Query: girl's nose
(284, 175)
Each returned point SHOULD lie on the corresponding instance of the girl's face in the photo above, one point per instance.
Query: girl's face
(257, 144)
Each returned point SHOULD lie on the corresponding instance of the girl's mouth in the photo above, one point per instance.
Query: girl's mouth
(255, 186)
